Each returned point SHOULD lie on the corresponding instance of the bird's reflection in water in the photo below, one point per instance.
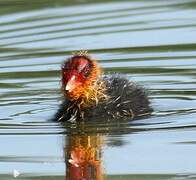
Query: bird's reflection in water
(83, 156)
(84, 145)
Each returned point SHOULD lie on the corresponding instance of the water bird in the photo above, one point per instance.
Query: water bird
(89, 94)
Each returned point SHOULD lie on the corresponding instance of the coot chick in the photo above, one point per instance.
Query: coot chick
(89, 94)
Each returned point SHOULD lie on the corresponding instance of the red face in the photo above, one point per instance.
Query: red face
(75, 72)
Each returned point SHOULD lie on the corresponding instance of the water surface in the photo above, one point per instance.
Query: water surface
(152, 42)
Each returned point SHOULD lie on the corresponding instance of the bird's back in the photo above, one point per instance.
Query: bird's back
(126, 99)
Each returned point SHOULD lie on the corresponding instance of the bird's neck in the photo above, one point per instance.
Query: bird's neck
(94, 94)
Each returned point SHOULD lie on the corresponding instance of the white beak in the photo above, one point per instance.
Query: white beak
(70, 84)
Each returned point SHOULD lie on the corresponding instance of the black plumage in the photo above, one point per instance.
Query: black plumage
(126, 99)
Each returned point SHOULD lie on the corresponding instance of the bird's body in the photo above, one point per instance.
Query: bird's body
(105, 97)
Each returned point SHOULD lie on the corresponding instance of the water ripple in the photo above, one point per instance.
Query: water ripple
(150, 42)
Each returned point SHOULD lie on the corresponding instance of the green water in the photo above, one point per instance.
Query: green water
(152, 42)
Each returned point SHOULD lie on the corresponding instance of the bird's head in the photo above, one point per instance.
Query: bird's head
(79, 76)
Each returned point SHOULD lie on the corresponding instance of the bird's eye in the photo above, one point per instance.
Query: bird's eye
(86, 73)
